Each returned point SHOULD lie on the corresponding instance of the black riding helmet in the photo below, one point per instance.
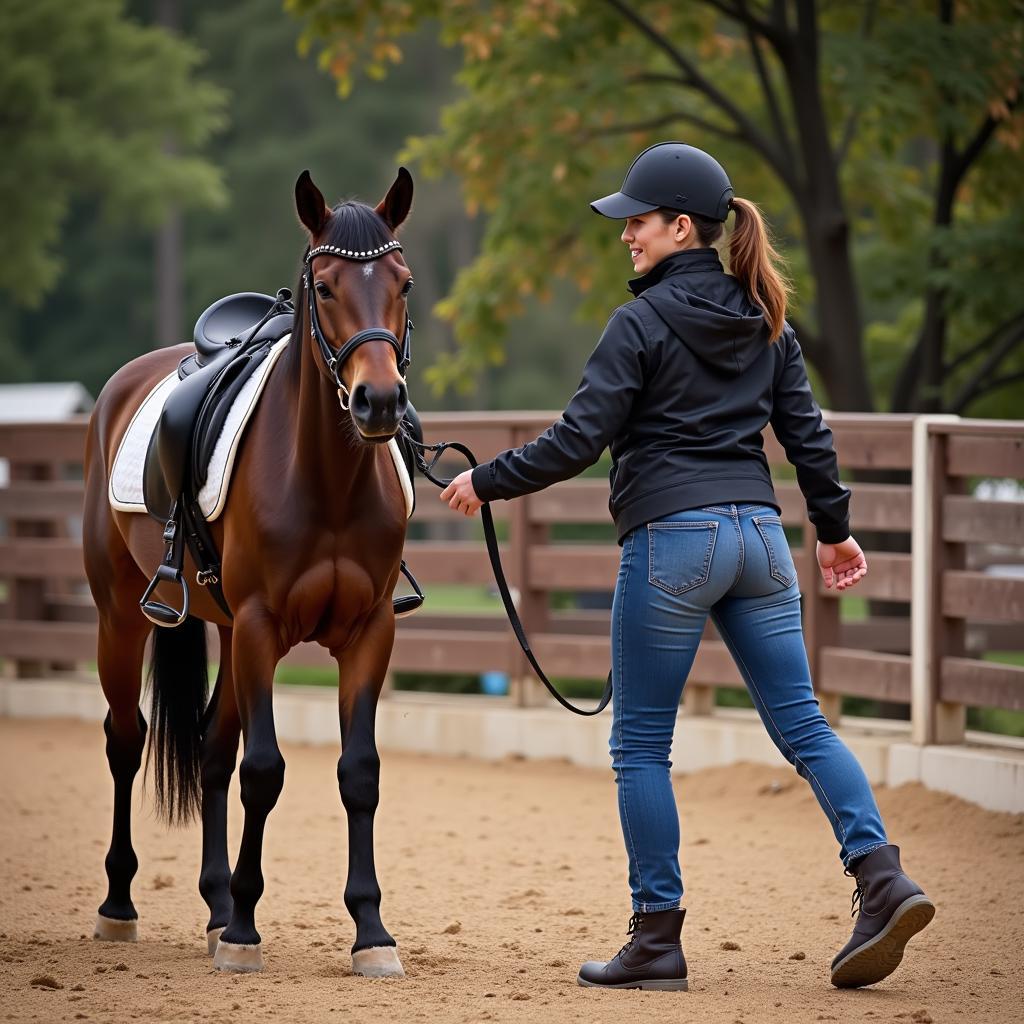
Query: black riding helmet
(672, 175)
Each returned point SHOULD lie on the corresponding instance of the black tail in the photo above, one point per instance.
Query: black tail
(179, 680)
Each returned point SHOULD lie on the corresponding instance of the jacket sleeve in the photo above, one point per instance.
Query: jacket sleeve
(798, 425)
(612, 377)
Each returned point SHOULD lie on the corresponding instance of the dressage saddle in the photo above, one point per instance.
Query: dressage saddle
(232, 338)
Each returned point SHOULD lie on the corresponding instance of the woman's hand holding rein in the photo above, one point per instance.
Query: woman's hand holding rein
(460, 494)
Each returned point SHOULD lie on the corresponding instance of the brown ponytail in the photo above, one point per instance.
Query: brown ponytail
(755, 263)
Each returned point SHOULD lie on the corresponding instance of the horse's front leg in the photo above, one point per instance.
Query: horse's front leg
(255, 652)
(362, 667)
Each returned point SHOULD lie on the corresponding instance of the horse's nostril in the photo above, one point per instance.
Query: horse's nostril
(378, 410)
(360, 401)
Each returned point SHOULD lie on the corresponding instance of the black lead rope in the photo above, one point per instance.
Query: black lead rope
(499, 575)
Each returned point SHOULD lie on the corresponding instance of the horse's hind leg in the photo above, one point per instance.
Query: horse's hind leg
(116, 584)
(122, 640)
(219, 749)
(362, 668)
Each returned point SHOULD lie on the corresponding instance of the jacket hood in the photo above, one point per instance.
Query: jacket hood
(726, 331)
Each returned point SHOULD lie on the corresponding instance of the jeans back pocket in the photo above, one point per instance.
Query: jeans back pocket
(780, 558)
(680, 554)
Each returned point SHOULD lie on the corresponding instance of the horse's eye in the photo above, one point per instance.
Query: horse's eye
(322, 290)
(407, 287)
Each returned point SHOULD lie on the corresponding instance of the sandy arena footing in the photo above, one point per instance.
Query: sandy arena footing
(499, 880)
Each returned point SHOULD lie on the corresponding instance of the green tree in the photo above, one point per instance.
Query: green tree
(282, 115)
(882, 138)
(89, 100)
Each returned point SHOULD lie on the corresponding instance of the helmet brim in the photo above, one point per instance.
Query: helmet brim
(618, 206)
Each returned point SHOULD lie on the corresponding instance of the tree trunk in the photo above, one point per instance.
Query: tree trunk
(841, 359)
(168, 249)
(826, 226)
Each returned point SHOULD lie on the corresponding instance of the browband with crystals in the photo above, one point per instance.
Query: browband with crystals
(352, 254)
(334, 358)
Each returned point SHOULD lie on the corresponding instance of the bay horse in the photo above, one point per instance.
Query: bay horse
(311, 542)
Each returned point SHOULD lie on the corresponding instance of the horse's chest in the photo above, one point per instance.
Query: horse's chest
(338, 587)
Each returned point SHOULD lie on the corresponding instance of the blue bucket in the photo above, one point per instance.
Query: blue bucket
(494, 683)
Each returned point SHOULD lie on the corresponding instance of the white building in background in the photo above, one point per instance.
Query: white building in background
(43, 403)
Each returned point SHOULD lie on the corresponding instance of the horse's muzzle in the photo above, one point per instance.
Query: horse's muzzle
(377, 412)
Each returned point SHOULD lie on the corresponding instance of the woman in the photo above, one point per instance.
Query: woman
(680, 386)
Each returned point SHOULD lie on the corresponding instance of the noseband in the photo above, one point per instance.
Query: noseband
(335, 358)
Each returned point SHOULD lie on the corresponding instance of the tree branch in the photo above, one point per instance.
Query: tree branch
(769, 91)
(973, 149)
(780, 17)
(810, 343)
(746, 128)
(742, 13)
(657, 78)
(661, 122)
(981, 381)
(992, 385)
(850, 128)
(1017, 320)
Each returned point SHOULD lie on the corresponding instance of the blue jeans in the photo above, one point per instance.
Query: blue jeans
(732, 562)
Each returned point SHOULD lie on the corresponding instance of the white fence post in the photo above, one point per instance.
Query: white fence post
(927, 481)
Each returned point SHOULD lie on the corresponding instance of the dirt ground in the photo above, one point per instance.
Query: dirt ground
(499, 880)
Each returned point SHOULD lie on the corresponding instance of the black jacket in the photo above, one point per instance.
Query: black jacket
(679, 387)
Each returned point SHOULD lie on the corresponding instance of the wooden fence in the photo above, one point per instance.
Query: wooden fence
(934, 552)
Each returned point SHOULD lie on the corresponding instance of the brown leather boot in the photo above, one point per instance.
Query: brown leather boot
(893, 909)
(652, 959)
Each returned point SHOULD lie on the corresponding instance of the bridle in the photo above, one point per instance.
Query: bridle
(335, 358)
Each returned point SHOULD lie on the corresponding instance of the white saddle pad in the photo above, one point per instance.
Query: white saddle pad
(125, 490)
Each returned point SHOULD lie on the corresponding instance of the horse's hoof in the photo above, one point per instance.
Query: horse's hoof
(109, 929)
(377, 962)
(212, 938)
(231, 956)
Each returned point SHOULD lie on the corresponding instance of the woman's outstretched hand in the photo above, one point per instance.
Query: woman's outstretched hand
(842, 564)
(460, 494)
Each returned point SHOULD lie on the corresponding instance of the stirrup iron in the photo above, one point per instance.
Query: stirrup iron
(169, 571)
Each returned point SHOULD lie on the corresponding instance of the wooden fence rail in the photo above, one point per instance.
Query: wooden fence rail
(945, 586)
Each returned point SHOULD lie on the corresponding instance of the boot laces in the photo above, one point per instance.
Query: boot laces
(635, 923)
(858, 893)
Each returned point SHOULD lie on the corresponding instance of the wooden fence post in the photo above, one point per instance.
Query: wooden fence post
(28, 593)
(931, 635)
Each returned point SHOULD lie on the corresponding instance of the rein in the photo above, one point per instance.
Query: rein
(499, 575)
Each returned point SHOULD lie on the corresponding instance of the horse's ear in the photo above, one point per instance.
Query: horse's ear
(394, 207)
(309, 202)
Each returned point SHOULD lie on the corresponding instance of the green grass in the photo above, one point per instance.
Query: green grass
(304, 675)
(461, 599)
(1005, 723)
(1005, 657)
(853, 609)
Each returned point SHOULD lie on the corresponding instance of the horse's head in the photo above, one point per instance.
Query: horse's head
(355, 285)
